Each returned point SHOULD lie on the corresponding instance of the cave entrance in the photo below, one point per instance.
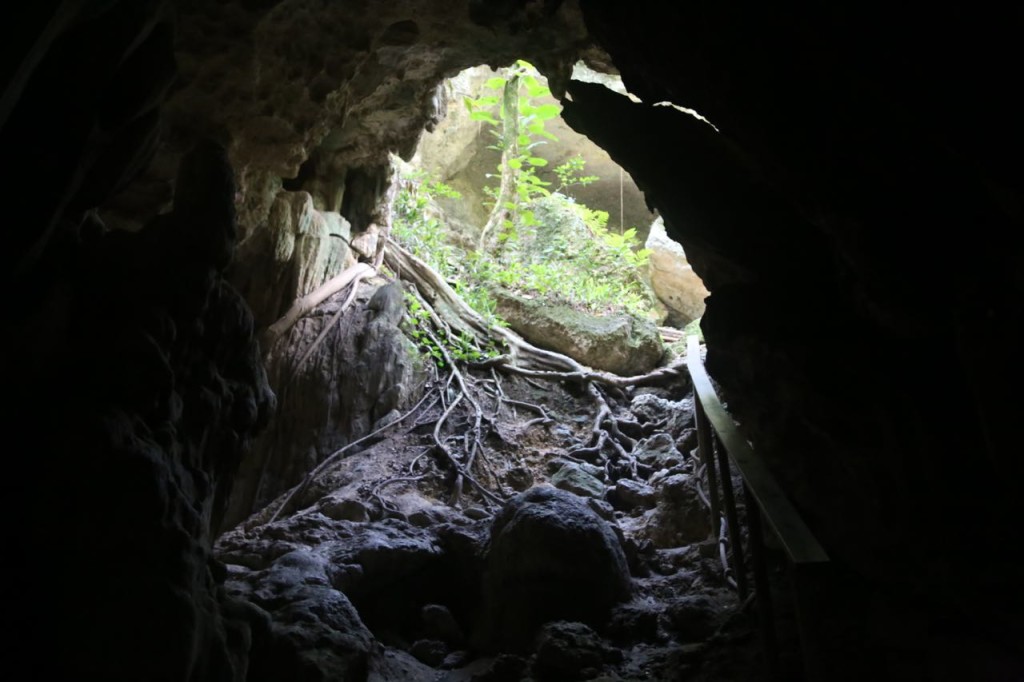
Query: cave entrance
(448, 194)
(504, 483)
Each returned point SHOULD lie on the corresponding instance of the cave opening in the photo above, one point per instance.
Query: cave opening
(193, 169)
(435, 410)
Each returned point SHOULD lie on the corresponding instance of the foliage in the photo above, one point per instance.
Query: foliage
(417, 327)
(418, 228)
(693, 329)
(544, 244)
(459, 347)
(585, 264)
(416, 223)
(570, 174)
(518, 124)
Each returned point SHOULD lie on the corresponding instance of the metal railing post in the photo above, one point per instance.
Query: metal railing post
(704, 448)
(732, 520)
(813, 576)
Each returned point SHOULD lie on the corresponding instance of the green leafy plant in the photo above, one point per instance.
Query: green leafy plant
(518, 122)
(570, 174)
(537, 243)
(417, 327)
(418, 228)
(416, 222)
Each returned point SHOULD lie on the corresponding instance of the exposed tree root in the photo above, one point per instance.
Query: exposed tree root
(305, 304)
(451, 315)
(473, 437)
(459, 442)
(286, 502)
(353, 288)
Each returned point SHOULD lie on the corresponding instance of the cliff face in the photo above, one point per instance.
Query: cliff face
(857, 219)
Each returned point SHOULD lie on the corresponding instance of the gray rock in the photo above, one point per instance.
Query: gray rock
(569, 651)
(429, 651)
(605, 511)
(364, 373)
(658, 452)
(629, 494)
(439, 623)
(504, 668)
(344, 509)
(621, 344)
(556, 463)
(573, 478)
(519, 478)
(308, 617)
(693, 617)
(650, 407)
(388, 664)
(476, 513)
(672, 277)
(680, 517)
(635, 621)
(686, 441)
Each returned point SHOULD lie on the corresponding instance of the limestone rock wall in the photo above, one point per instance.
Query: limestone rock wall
(363, 372)
(294, 251)
(672, 277)
(312, 96)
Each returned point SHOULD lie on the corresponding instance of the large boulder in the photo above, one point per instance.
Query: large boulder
(550, 558)
(298, 619)
(619, 343)
(674, 282)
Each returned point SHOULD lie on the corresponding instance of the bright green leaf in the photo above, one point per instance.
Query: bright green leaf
(537, 90)
(537, 161)
(548, 111)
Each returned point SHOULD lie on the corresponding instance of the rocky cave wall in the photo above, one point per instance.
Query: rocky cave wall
(865, 368)
(858, 221)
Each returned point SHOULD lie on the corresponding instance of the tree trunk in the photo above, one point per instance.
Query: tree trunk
(504, 204)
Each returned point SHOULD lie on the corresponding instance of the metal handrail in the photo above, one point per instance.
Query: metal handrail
(764, 499)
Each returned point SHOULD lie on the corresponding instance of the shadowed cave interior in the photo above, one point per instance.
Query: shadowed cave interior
(175, 170)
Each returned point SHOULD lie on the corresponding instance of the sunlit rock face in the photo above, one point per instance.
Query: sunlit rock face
(672, 277)
(871, 362)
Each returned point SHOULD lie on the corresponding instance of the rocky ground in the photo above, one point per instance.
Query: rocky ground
(593, 569)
